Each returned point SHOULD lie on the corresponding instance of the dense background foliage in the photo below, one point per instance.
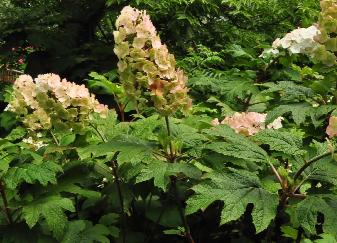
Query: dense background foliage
(140, 176)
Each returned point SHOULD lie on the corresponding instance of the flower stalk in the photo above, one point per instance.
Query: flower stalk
(114, 166)
(5, 202)
(171, 159)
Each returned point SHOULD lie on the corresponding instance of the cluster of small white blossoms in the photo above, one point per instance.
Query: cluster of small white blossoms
(249, 123)
(48, 100)
(145, 64)
(317, 42)
(36, 144)
(300, 40)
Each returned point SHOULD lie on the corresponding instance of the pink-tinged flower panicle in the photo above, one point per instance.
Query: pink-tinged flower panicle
(145, 65)
(49, 102)
(331, 130)
(248, 123)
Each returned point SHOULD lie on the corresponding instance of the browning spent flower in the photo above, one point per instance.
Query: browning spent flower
(331, 130)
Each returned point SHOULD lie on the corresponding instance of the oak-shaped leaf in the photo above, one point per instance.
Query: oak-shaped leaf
(236, 189)
(84, 231)
(50, 208)
(161, 171)
(235, 145)
(43, 173)
(281, 141)
(306, 213)
(299, 112)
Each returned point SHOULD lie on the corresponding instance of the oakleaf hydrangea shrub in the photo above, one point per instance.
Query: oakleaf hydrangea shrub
(145, 65)
(265, 174)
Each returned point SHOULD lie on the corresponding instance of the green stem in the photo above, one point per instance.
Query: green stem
(98, 133)
(279, 178)
(247, 101)
(5, 202)
(310, 162)
(120, 195)
(188, 234)
(114, 165)
(302, 181)
(54, 138)
(171, 159)
(169, 136)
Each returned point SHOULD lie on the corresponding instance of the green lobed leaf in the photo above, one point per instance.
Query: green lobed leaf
(236, 145)
(289, 90)
(43, 173)
(52, 210)
(282, 141)
(298, 111)
(236, 189)
(85, 232)
(131, 149)
(308, 209)
(161, 171)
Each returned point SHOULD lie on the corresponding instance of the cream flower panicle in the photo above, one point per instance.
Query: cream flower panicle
(317, 41)
(299, 40)
(146, 67)
(48, 102)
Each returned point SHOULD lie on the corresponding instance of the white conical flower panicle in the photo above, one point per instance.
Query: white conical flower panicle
(145, 65)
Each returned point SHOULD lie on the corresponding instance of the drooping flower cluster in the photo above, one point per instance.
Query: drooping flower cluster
(49, 102)
(318, 41)
(145, 65)
(249, 123)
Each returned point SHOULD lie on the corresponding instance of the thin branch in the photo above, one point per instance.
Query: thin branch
(150, 235)
(310, 162)
(104, 140)
(256, 103)
(181, 212)
(54, 138)
(279, 178)
(297, 195)
(299, 235)
(301, 183)
(247, 101)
